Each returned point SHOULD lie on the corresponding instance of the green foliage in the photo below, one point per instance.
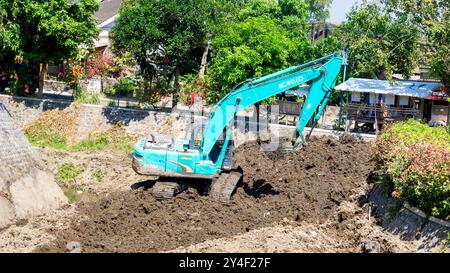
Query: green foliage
(85, 97)
(173, 27)
(416, 158)
(124, 87)
(118, 141)
(440, 65)
(47, 31)
(433, 17)
(253, 48)
(69, 172)
(382, 43)
(192, 87)
(45, 137)
(115, 139)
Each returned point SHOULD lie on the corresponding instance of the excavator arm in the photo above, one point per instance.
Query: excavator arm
(323, 78)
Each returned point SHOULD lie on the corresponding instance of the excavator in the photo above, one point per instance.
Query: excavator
(176, 160)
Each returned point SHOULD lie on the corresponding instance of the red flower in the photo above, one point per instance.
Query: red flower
(4, 79)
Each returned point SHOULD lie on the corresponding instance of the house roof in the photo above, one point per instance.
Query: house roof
(416, 89)
(107, 10)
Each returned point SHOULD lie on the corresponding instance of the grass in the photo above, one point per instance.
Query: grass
(99, 175)
(85, 97)
(445, 244)
(115, 139)
(67, 175)
(68, 172)
(393, 208)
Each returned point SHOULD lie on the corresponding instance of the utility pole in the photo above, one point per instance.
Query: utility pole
(345, 63)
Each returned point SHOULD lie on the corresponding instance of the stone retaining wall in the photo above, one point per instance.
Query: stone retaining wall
(410, 223)
(177, 124)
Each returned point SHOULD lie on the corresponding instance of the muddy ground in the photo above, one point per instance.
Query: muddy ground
(312, 200)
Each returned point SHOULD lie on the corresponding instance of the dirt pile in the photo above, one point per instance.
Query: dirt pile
(309, 186)
(26, 187)
(55, 124)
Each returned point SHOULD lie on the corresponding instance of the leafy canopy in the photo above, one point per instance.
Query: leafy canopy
(382, 43)
(46, 31)
(171, 29)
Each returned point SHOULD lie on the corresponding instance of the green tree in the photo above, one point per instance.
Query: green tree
(9, 33)
(433, 17)
(381, 43)
(252, 48)
(43, 31)
(162, 34)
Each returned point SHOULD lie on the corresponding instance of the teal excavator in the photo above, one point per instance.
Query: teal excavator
(175, 161)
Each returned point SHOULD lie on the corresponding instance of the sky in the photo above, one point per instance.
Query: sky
(339, 8)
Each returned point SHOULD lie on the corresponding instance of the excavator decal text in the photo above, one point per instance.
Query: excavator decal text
(294, 81)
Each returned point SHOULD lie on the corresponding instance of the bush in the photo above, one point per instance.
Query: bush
(417, 159)
(85, 97)
(124, 87)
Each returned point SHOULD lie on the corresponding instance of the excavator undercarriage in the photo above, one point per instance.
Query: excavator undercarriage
(221, 188)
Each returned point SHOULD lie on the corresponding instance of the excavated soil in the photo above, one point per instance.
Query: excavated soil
(309, 186)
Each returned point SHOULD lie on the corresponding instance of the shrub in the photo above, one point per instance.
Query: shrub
(417, 159)
(124, 87)
(85, 97)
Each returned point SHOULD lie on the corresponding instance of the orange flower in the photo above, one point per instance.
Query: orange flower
(395, 194)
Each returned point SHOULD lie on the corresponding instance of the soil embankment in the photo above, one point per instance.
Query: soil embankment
(320, 185)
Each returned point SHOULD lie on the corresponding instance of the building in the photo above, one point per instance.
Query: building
(106, 15)
(372, 103)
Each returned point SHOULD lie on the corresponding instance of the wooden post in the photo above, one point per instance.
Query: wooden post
(258, 138)
(376, 116)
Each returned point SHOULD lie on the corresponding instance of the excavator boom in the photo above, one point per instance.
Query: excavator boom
(323, 79)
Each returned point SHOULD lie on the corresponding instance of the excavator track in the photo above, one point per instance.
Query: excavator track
(222, 187)
(168, 190)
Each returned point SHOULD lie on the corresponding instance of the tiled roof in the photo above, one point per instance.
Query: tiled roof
(108, 8)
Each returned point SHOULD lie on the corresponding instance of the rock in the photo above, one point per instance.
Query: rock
(36, 194)
(74, 247)
(372, 247)
(6, 212)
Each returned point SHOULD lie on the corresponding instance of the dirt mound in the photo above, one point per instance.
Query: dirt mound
(306, 186)
(56, 123)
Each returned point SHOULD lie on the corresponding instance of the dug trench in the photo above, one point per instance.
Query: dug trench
(324, 184)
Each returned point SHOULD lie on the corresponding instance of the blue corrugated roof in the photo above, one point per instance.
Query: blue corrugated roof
(416, 89)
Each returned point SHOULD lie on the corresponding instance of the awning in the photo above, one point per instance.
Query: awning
(417, 89)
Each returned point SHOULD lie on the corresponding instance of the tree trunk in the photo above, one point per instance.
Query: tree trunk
(313, 23)
(201, 74)
(176, 87)
(42, 75)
